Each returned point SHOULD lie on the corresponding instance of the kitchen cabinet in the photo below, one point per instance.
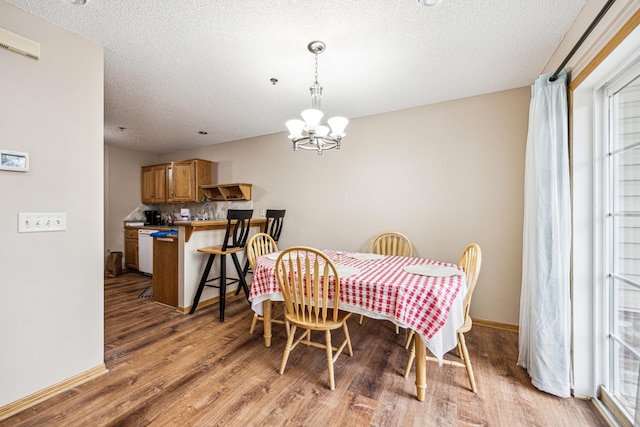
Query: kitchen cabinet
(154, 180)
(165, 270)
(175, 182)
(227, 192)
(131, 248)
(185, 178)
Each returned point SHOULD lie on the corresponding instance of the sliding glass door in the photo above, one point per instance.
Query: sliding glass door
(622, 230)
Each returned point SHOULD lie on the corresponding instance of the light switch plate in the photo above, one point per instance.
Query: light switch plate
(41, 222)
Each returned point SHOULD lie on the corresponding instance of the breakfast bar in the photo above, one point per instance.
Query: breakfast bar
(190, 263)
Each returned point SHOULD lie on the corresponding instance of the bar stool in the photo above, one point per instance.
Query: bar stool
(235, 239)
(275, 219)
(273, 227)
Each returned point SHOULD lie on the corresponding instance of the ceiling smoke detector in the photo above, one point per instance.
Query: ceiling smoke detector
(429, 2)
(78, 2)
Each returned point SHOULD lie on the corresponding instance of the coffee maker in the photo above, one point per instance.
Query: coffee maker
(151, 218)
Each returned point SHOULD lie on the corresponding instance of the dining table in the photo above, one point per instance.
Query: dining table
(424, 295)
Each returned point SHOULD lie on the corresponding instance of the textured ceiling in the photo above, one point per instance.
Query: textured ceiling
(173, 68)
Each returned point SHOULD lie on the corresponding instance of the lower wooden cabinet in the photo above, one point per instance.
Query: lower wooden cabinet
(165, 270)
(131, 248)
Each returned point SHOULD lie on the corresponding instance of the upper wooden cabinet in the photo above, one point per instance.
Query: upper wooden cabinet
(154, 180)
(175, 182)
(185, 178)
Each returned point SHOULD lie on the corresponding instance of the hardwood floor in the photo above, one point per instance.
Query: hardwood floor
(167, 368)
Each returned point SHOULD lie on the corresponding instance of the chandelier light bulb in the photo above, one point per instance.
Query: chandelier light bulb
(295, 128)
(337, 125)
(312, 118)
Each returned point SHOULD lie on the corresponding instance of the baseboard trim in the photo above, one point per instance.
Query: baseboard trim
(496, 325)
(47, 393)
(205, 303)
(607, 416)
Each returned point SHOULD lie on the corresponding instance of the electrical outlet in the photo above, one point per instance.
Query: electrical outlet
(41, 222)
(263, 212)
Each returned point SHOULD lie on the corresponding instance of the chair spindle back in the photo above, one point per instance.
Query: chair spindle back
(391, 243)
(305, 278)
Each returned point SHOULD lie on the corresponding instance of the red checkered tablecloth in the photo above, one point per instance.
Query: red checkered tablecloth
(381, 289)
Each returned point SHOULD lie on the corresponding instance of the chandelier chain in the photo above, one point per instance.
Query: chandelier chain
(316, 54)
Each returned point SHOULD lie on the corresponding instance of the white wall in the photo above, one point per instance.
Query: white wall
(51, 321)
(445, 175)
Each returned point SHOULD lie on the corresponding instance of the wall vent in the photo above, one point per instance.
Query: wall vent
(18, 44)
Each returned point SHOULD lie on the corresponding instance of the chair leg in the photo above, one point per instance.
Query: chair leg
(243, 282)
(253, 323)
(223, 285)
(361, 318)
(412, 355)
(409, 337)
(327, 338)
(287, 349)
(397, 330)
(203, 281)
(245, 270)
(347, 337)
(467, 361)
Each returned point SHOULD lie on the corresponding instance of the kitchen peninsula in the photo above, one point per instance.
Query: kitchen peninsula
(178, 264)
(188, 187)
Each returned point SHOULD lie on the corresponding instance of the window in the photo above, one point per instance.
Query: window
(606, 225)
(622, 239)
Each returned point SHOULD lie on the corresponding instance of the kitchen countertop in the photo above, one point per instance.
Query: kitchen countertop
(197, 225)
(151, 227)
(191, 226)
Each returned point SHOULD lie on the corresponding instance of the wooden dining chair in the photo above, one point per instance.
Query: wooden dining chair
(307, 277)
(391, 243)
(470, 261)
(262, 244)
(235, 239)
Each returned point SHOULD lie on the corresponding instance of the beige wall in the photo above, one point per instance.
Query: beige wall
(122, 190)
(445, 175)
(51, 284)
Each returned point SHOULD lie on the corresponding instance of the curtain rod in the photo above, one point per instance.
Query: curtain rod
(593, 24)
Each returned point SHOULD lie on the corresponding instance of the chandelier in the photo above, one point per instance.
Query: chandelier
(309, 133)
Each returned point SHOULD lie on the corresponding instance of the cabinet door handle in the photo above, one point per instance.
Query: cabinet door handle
(165, 239)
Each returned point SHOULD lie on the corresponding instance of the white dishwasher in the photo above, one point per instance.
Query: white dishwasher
(145, 250)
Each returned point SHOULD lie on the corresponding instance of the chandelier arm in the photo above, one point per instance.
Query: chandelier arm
(324, 139)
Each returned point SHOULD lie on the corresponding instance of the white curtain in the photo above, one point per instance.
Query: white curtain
(545, 307)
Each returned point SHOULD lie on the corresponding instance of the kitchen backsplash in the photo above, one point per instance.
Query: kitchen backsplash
(196, 210)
